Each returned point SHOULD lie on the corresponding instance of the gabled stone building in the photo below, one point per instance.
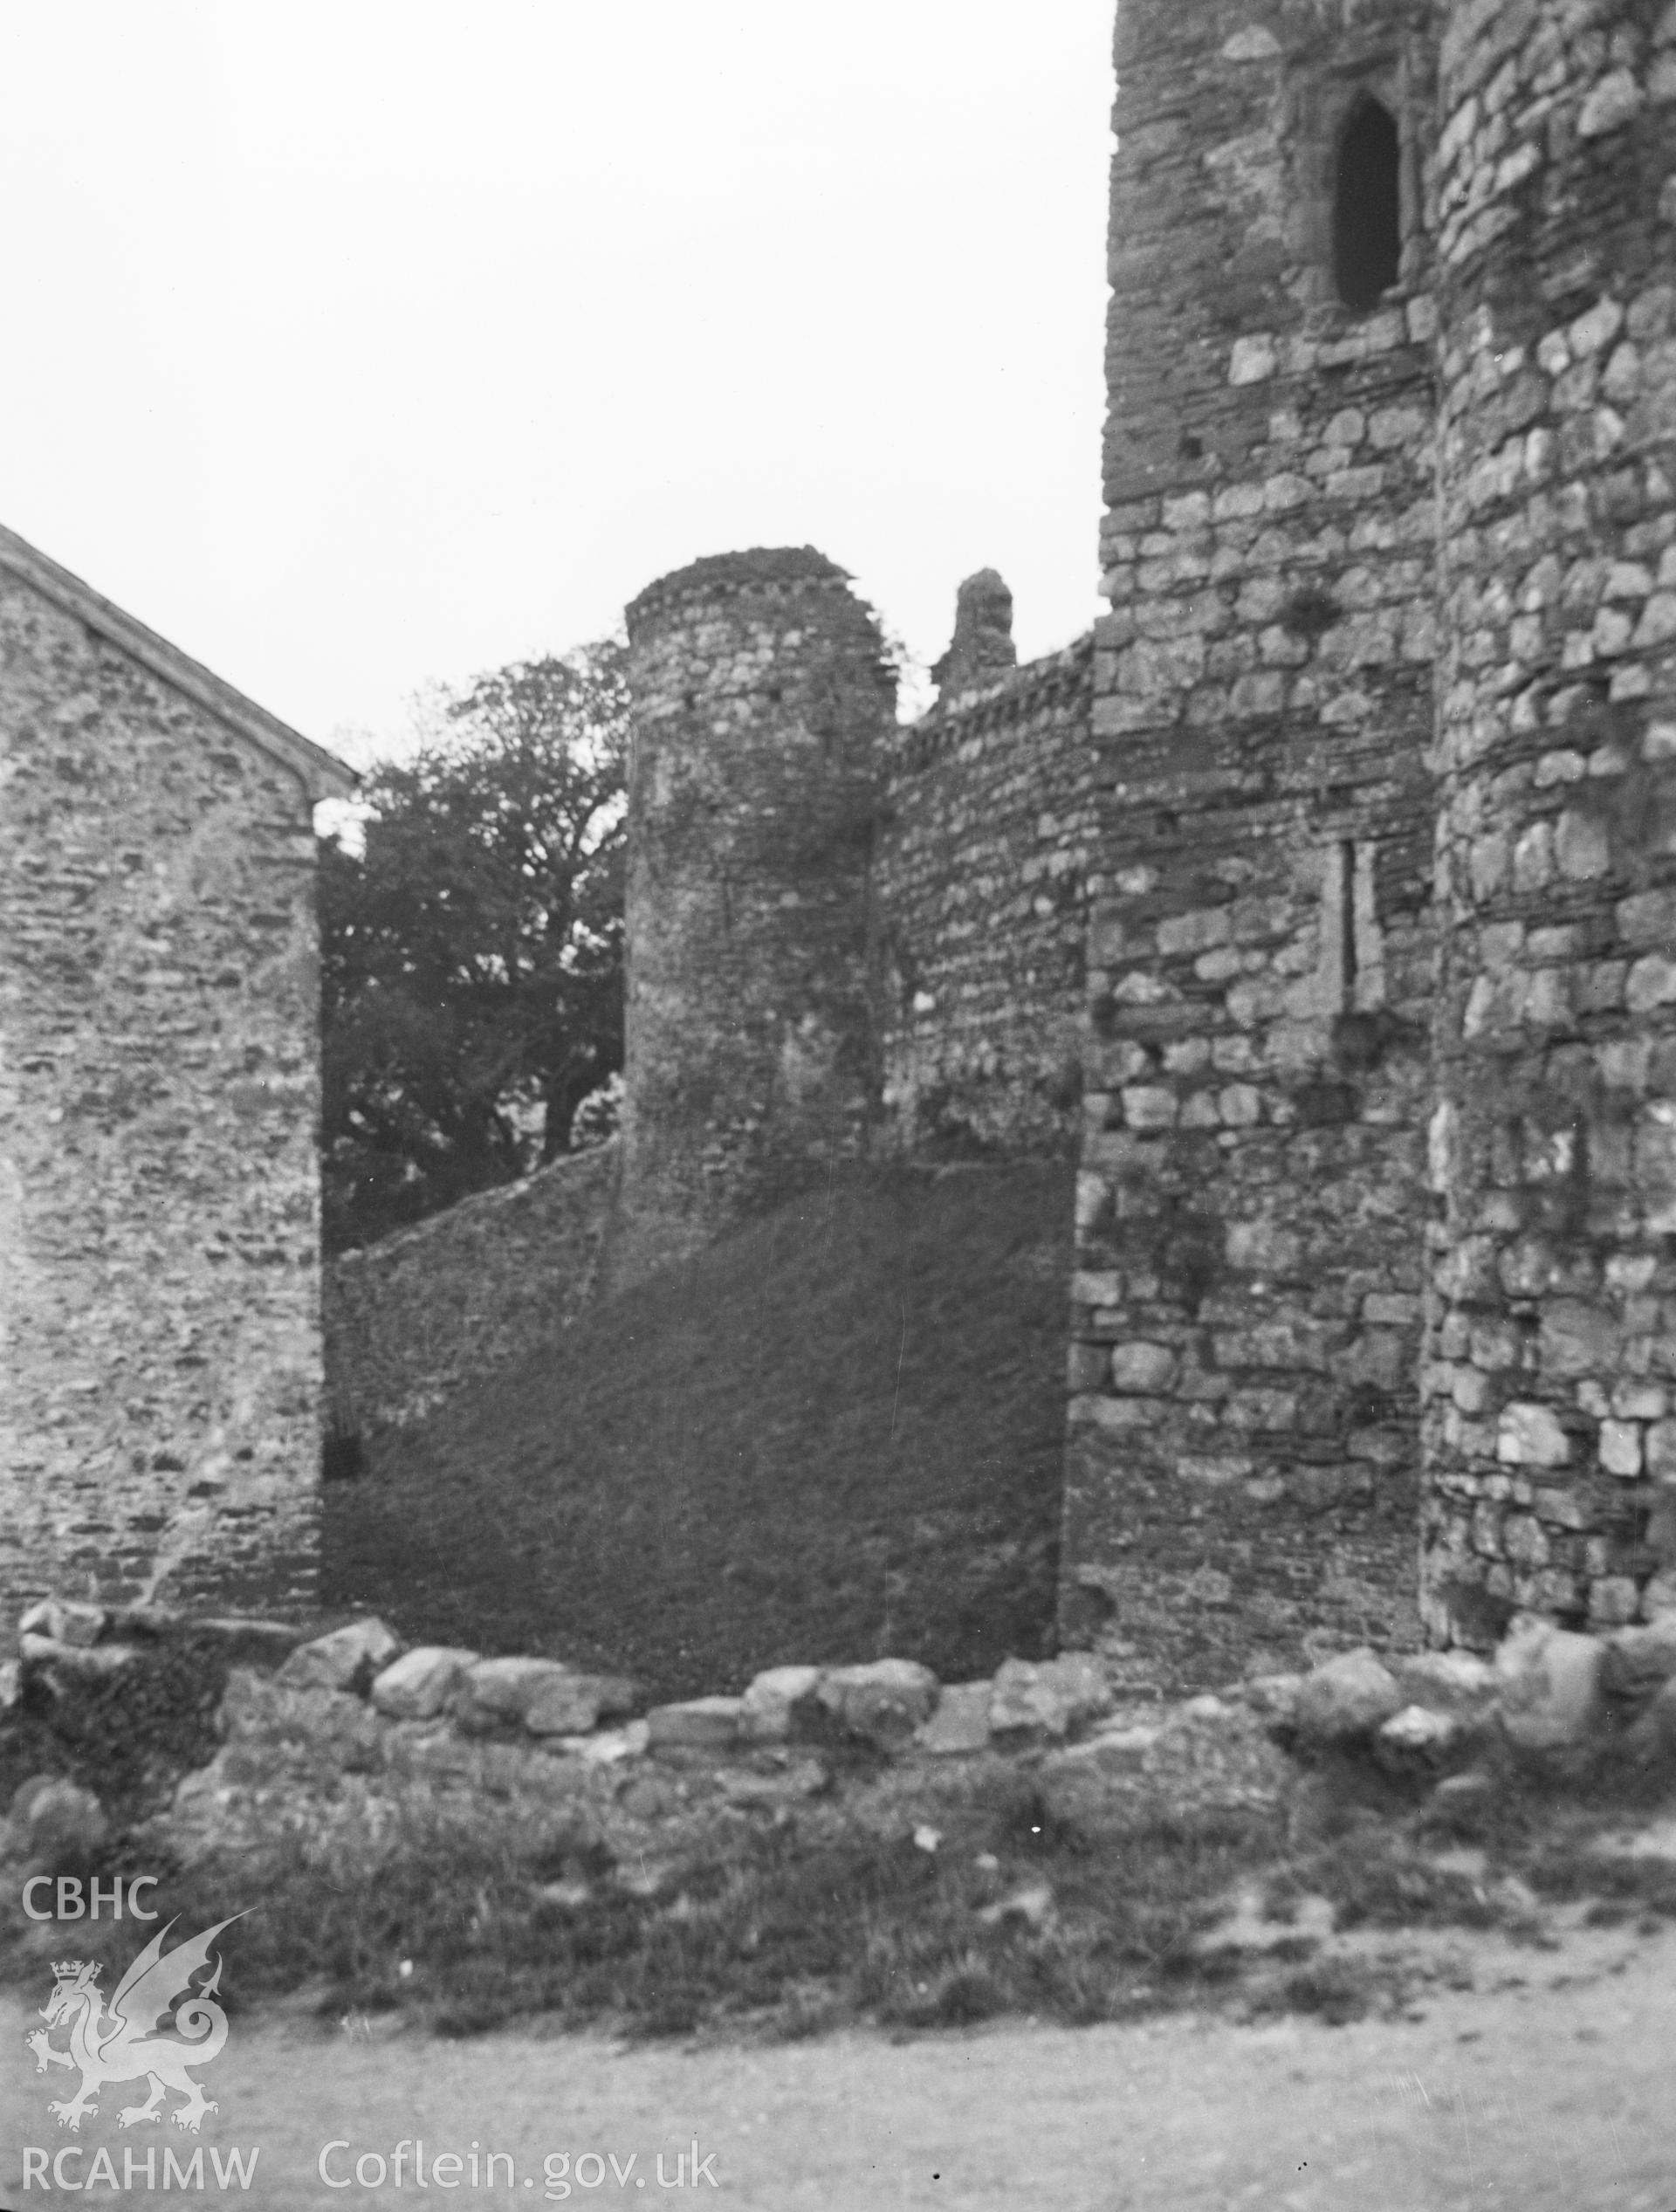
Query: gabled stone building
(160, 1350)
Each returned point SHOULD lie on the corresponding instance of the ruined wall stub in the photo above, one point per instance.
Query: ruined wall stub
(986, 839)
(1242, 1463)
(761, 702)
(160, 1352)
(1551, 1381)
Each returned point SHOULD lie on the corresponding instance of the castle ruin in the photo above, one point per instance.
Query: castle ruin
(1330, 887)
(1323, 901)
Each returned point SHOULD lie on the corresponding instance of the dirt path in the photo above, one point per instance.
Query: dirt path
(1551, 2084)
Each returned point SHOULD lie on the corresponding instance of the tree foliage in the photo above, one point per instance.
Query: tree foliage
(473, 949)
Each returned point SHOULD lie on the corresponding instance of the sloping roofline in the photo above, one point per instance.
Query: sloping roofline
(323, 775)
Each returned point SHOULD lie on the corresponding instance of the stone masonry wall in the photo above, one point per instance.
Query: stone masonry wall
(1551, 1382)
(1243, 1469)
(982, 890)
(483, 1287)
(761, 707)
(159, 1378)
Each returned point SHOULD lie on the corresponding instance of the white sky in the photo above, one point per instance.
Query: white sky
(360, 344)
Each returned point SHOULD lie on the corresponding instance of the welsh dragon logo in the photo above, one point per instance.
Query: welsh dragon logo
(113, 2042)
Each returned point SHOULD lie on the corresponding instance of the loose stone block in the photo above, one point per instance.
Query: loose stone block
(1550, 1682)
(882, 1701)
(60, 1826)
(347, 1659)
(701, 1724)
(960, 1722)
(1416, 1739)
(777, 1701)
(505, 1689)
(76, 1662)
(1201, 1760)
(1458, 1682)
(422, 1682)
(567, 1703)
(1638, 1660)
(1047, 1700)
(1346, 1698)
(64, 1621)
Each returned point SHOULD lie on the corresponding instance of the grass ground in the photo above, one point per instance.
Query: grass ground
(820, 1922)
(835, 1435)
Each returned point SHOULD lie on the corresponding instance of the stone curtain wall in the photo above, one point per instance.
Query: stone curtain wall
(761, 709)
(1551, 1384)
(983, 848)
(483, 1287)
(159, 1292)
(1242, 1465)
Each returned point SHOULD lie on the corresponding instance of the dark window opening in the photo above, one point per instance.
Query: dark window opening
(1367, 206)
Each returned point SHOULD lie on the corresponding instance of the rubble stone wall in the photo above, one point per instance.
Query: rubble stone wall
(160, 1379)
(1243, 1462)
(1551, 1381)
(762, 704)
(982, 896)
(483, 1287)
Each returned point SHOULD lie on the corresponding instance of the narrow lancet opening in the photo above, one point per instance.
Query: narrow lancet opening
(1367, 206)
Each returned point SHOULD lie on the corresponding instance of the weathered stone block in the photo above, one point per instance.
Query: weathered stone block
(1346, 1698)
(347, 1659)
(1458, 1682)
(65, 1620)
(1530, 1435)
(1638, 1660)
(959, 1722)
(76, 1662)
(421, 1683)
(701, 1724)
(571, 1704)
(1550, 1682)
(59, 1826)
(882, 1701)
(336, 1726)
(779, 1703)
(1417, 1740)
(1142, 1367)
(502, 1689)
(1048, 1699)
(1620, 1447)
(1207, 1757)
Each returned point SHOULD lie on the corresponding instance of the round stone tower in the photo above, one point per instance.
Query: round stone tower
(761, 701)
(1550, 1416)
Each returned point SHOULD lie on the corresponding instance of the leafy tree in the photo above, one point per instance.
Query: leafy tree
(472, 950)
